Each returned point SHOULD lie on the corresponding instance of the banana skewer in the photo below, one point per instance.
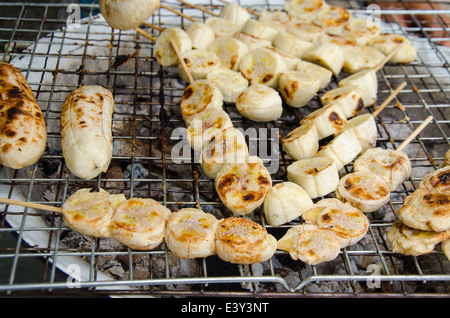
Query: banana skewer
(231, 83)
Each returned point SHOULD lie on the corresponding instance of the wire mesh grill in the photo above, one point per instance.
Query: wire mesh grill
(56, 60)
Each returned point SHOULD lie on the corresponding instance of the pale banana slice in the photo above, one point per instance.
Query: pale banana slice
(304, 10)
(348, 98)
(446, 248)
(140, 223)
(409, 241)
(260, 103)
(278, 20)
(364, 190)
(302, 142)
(285, 202)
(328, 55)
(253, 42)
(386, 42)
(127, 15)
(298, 88)
(229, 50)
(262, 66)
(198, 96)
(199, 64)
(243, 187)
(310, 244)
(317, 71)
(235, 14)
(205, 125)
(346, 222)
(391, 165)
(164, 51)
(361, 30)
(290, 44)
(227, 146)
(366, 81)
(201, 35)
(343, 148)
(260, 30)
(229, 82)
(365, 129)
(333, 19)
(222, 27)
(289, 59)
(328, 120)
(306, 31)
(361, 57)
(243, 241)
(317, 176)
(437, 181)
(190, 233)
(345, 43)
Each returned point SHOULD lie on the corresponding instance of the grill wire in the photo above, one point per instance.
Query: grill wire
(147, 112)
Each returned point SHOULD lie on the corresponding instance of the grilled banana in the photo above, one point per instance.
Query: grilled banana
(235, 14)
(361, 57)
(437, 181)
(348, 98)
(290, 44)
(198, 96)
(164, 51)
(365, 129)
(229, 50)
(328, 55)
(366, 81)
(364, 190)
(360, 30)
(333, 19)
(302, 142)
(243, 187)
(229, 82)
(298, 88)
(201, 35)
(278, 20)
(306, 31)
(304, 10)
(285, 202)
(328, 120)
(199, 64)
(446, 248)
(222, 27)
(388, 41)
(260, 30)
(393, 166)
(260, 103)
(253, 42)
(315, 70)
(289, 60)
(317, 176)
(190, 233)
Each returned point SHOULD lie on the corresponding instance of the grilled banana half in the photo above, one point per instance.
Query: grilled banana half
(360, 30)
(290, 44)
(229, 50)
(315, 70)
(164, 51)
(347, 223)
(298, 88)
(229, 82)
(304, 10)
(205, 125)
(89, 212)
(140, 223)
(227, 146)
(386, 42)
(201, 35)
(317, 176)
(302, 142)
(235, 14)
(199, 64)
(328, 120)
(409, 241)
(364, 190)
(366, 81)
(242, 187)
(437, 181)
(328, 55)
(393, 166)
(243, 241)
(361, 57)
(285, 202)
(190, 233)
(198, 96)
(310, 244)
(333, 19)
(222, 27)
(262, 66)
(260, 30)
(348, 98)
(260, 103)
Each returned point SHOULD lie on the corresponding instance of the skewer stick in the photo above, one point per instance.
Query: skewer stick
(387, 58)
(388, 100)
(415, 133)
(153, 26)
(183, 64)
(31, 205)
(198, 8)
(179, 13)
(148, 36)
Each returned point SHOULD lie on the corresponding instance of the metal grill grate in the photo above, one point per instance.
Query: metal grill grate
(56, 60)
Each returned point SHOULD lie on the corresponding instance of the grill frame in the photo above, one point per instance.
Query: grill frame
(425, 85)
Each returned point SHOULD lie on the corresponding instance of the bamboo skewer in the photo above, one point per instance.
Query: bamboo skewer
(387, 58)
(183, 64)
(179, 13)
(415, 133)
(388, 100)
(198, 8)
(148, 36)
(31, 205)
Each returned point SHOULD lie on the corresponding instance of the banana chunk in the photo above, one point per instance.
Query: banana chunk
(298, 88)
(409, 241)
(304, 10)
(437, 181)
(222, 27)
(253, 42)
(285, 202)
(230, 83)
(229, 50)
(199, 96)
(205, 125)
(388, 41)
(348, 98)
(306, 31)
(328, 55)
(278, 20)
(310, 244)
(262, 66)
(317, 176)
(289, 60)
(227, 146)
(260, 103)
(364, 190)
(365, 129)
(243, 187)
(140, 223)
(366, 81)
(333, 19)
(315, 70)
(360, 30)
(302, 142)
(235, 14)
(361, 57)
(199, 64)
(260, 30)
(190, 233)
(328, 120)
(201, 35)
(446, 248)
(290, 44)
(243, 241)
(164, 51)
(393, 166)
